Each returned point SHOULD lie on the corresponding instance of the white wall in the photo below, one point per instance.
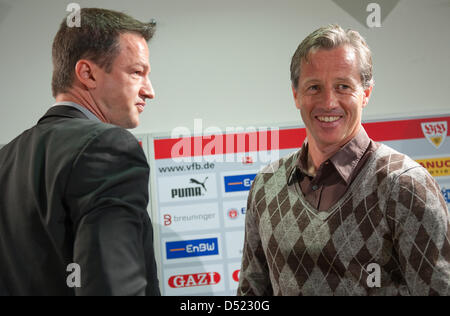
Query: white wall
(227, 62)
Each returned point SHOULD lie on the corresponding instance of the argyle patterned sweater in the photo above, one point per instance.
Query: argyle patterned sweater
(392, 217)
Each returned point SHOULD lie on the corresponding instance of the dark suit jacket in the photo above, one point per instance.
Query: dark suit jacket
(75, 191)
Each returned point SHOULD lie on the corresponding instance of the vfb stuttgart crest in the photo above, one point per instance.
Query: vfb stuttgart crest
(435, 132)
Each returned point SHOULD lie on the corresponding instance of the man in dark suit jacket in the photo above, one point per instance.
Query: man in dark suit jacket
(74, 188)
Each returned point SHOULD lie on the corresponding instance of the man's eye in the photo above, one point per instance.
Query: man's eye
(343, 87)
(313, 88)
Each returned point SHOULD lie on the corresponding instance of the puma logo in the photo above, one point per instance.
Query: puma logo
(191, 191)
(199, 183)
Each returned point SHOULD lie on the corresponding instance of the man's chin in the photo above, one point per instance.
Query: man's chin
(133, 124)
(128, 124)
(328, 139)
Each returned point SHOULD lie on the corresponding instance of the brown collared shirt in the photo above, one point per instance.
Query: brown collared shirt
(335, 175)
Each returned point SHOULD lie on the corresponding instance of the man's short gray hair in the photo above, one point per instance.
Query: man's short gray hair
(329, 37)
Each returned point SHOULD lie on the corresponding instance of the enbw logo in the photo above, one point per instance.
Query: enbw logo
(192, 248)
(239, 183)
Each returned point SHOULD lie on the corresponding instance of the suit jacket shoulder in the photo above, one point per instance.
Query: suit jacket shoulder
(59, 171)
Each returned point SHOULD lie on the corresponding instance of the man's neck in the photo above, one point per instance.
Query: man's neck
(78, 96)
(317, 156)
(319, 153)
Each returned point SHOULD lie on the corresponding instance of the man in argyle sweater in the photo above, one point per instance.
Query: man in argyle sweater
(344, 215)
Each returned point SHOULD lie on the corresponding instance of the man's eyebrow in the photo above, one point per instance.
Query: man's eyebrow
(138, 63)
(143, 65)
(310, 80)
(344, 79)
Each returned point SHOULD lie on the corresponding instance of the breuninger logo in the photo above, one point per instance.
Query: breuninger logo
(214, 145)
(171, 219)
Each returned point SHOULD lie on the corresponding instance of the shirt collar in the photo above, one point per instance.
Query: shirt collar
(303, 158)
(344, 161)
(347, 158)
(294, 170)
(85, 111)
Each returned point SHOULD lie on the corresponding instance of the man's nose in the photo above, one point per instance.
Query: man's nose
(147, 91)
(330, 100)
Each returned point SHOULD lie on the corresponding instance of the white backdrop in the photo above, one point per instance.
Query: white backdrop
(227, 62)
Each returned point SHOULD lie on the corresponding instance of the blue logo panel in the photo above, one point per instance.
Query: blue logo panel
(239, 183)
(446, 193)
(192, 248)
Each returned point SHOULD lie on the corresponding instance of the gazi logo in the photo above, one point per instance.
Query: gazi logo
(197, 279)
(190, 191)
(192, 248)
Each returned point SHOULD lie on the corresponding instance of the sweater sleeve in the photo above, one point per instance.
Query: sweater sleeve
(420, 226)
(254, 277)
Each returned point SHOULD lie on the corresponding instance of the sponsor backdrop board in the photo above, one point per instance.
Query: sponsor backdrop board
(200, 185)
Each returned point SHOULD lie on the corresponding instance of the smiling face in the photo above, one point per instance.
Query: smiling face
(330, 96)
(121, 93)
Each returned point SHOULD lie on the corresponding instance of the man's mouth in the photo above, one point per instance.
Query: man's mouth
(328, 119)
(140, 107)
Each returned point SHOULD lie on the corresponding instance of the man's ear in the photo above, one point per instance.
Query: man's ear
(85, 72)
(295, 94)
(367, 92)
